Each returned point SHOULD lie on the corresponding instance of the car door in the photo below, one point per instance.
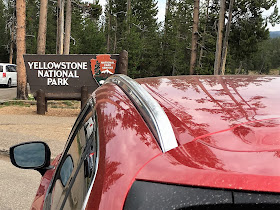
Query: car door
(2, 73)
(76, 171)
(12, 74)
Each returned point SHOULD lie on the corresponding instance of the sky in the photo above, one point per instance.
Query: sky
(161, 12)
(267, 12)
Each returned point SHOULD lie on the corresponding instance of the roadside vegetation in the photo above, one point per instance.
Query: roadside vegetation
(65, 104)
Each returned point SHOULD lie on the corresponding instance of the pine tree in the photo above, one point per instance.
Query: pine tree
(66, 44)
(177, 38)
(92, 37)
(52, 28)
(32, 22)
(194, 36)
(169, 39)
(77, 29)
(204, 34)
(225, 41)
(219, 41)
(116, 24)
(10, 17)
(145, 31)
(93, 40)
(247, 30)
(137, 33)
(3, 33)
(42, 31)
(21, 49)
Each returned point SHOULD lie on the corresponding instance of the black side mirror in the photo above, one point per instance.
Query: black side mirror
(31, 155)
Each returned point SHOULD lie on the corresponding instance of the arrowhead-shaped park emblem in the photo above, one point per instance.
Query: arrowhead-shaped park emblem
(103, 64)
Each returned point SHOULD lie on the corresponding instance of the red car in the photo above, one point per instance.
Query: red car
(188, 142)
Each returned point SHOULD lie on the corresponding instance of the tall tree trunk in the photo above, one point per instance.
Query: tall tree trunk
(115, 39)
(60, 26)
(11, 50)
(57, 23)
(109, 26)
(67, 28)
(12, 42)
(219, 38)
(174, 63)
(165, 52)
(194, 36)
(108, 35)
(128, 15)
(239, 68)
(167, 9)
(225, 43)
(204, 34)
(21, 49)
(42, 31)
(175, 54)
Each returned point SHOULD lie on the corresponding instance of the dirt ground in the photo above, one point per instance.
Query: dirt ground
(20, 123)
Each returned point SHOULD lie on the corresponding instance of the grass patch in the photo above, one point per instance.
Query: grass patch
(30, 97)
(64, 104)
(15, 103)
(68, 103)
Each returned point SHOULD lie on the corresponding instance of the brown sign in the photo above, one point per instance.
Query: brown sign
(66, 74)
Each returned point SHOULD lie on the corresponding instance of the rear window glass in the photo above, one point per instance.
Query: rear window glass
(1, 68)
(11, 68)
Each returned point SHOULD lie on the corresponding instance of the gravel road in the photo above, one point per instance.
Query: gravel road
(18, 187)
(15, 129)
(7, 93)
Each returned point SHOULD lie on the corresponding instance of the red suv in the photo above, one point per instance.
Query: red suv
(188, 142)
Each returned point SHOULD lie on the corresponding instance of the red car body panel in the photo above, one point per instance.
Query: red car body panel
(227, 129)
(196, 164)
(38, 201)
(126, 145)
(203, 105)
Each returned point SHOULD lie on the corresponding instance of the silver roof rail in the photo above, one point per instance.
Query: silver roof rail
(150, 110)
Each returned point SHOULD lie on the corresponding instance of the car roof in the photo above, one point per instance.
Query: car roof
(212, 107)
(5, 64)
(226, 127)
(228, 130)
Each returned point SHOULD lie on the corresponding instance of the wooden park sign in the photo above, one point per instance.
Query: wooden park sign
(70, 77)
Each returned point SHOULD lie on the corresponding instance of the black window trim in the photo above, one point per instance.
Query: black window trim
(143, 193)
(72, 181)
(96, 165)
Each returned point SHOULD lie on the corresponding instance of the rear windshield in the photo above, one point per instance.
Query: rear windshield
(11, 68)
(1, 68)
